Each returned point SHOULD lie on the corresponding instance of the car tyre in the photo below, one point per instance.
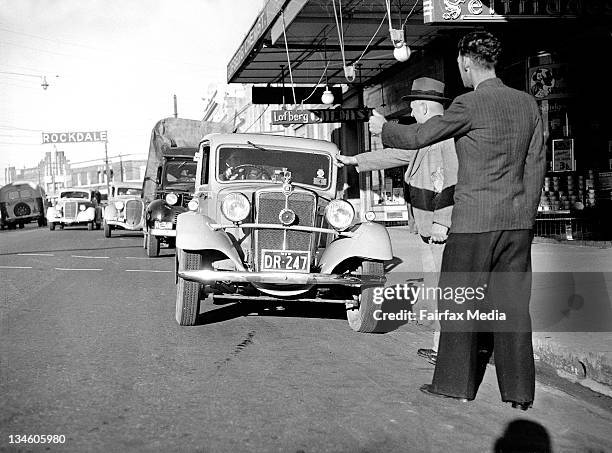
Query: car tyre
(21, 225)
(152, 246)
(187, 293)
(361, 319)
(51, 226)
(107, 230)
(61, 226)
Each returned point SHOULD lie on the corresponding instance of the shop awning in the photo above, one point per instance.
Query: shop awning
(305, 32)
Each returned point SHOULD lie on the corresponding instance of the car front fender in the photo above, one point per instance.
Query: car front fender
(194, 232)
(110, 212)
(370, 241)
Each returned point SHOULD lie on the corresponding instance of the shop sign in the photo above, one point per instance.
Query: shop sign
(287, 117)
(447, 11)
(257, 31)
(563, 154)
(74, 137)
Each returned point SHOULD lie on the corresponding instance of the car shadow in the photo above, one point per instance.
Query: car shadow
(286, 309)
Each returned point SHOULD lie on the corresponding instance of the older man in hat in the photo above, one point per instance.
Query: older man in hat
(431, 177)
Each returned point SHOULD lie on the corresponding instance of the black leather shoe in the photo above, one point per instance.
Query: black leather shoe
(521, 406)
(428, 391)
(428, 354)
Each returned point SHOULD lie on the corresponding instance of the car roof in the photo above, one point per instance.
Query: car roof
(182, 151)
(273, 140)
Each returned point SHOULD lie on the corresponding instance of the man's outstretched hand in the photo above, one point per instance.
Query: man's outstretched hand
(341, 160)
(376, 123)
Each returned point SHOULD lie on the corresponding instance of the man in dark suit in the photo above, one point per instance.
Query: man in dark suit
(499, 142)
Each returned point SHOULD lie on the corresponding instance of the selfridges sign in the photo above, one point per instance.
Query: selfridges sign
(445, 11)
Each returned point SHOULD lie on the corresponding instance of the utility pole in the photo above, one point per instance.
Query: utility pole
(121, 166)
(53, 164)
(107, 170)
(175, 109)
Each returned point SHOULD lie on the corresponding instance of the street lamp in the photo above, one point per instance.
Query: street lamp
(43, 79)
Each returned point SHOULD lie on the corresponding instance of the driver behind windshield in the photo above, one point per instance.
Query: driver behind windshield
(237, 167)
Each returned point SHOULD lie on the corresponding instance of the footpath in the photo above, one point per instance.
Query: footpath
(577, 279)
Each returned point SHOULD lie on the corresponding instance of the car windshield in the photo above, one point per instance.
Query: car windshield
(84, 195)
(128, 191)
(256, 164)
(179, 174)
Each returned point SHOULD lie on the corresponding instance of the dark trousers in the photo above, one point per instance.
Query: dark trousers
(501, 262)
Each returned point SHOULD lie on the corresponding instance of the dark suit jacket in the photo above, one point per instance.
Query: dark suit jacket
(500, 148)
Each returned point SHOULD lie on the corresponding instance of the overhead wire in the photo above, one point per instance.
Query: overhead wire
(288, 58)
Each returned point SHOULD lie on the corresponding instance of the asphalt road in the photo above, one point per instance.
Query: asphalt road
(90, 350)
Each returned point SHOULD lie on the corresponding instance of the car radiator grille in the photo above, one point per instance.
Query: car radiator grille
(268, 207)
(70, 210)
(133, 212)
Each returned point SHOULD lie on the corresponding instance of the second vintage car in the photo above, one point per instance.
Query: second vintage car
(125, 208)
(76, 207)
(266, 223)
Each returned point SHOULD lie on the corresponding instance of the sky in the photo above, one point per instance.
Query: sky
(111, 65)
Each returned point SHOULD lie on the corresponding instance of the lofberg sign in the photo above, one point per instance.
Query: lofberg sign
(74, 137)
(286, 117)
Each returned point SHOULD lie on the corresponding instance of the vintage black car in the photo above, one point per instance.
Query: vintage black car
(21, 203)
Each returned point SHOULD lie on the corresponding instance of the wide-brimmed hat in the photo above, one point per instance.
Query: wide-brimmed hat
(428, 89)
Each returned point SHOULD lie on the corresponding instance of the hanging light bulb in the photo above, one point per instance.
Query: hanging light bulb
(44, 83)
(327, 97)
(401, 52)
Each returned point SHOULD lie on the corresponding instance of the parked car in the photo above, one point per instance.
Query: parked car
(170, 175)
(76, 207)
(22, 202)
(265, 223)
(124, 209)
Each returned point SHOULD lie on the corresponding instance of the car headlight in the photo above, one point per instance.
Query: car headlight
(236, 207)
(119, 205)
(82, 207)
(171, 199)
(339, 214)
(193, 204)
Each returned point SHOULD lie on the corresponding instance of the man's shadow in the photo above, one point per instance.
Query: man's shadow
(523, 436)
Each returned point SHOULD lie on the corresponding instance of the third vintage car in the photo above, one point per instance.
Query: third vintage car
(266, 223)
(125, 208)
(76, 207)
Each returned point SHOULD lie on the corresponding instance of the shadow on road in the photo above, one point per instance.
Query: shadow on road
(319, 310)
(524, 436)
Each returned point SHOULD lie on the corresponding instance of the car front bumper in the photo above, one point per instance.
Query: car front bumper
(207, 277)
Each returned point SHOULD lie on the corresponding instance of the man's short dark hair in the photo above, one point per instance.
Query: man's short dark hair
(482, 47)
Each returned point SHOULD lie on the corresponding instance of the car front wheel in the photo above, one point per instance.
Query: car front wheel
(107, 230)
(187, 292)
(361, 318)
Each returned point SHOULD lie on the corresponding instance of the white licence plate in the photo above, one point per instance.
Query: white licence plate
(284, 260)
